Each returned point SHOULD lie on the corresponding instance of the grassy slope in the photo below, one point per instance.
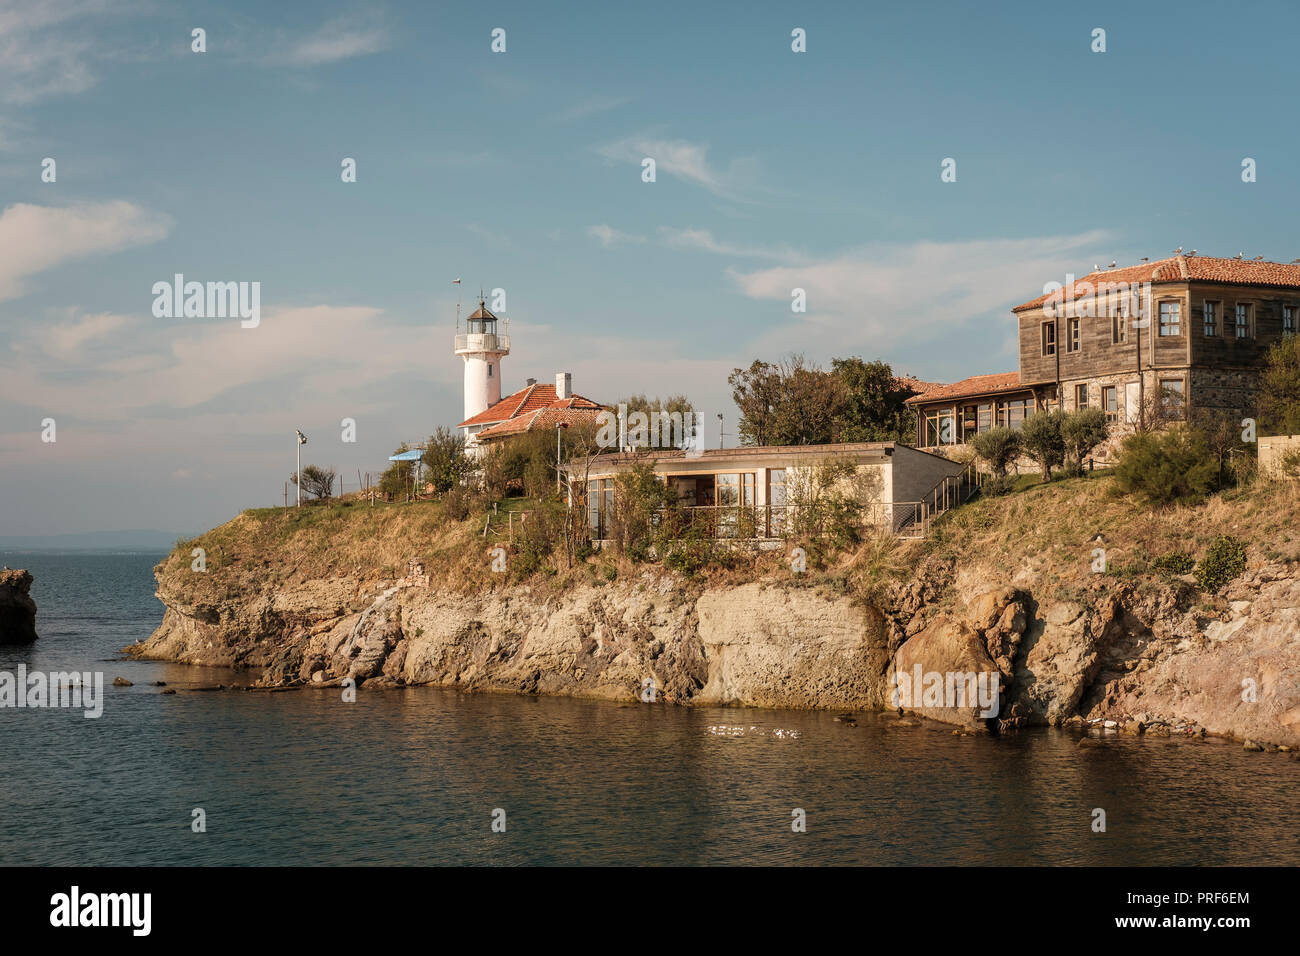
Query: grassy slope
(1054, 526)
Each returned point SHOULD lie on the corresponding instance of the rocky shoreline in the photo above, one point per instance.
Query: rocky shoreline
(1108, 660)
(17, 609)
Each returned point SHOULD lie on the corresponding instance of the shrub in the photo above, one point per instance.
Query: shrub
(1171, 467)
(999, 447)
(996, 487)
(316, 481)
(1040, 436)
(1082, 431)
(1224, 559)
(1175, 562)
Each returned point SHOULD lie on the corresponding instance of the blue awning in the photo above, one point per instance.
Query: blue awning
(414, 455)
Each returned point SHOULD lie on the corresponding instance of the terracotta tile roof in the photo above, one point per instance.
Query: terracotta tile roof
(543, 418)
(530, 398)
(1182, 269)
(917, 385)
(975, 385)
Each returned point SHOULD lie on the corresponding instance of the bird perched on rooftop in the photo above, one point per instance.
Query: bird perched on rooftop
(1112, 264)
(1095, 267)
(1145, 259)
(1238, 255)
(1256, 259)
(1178, 251)
(1192, 253)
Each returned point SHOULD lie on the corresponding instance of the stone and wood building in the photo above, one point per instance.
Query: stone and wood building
(1168, 337)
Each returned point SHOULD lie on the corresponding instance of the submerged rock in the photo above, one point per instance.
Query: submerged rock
(17, 609)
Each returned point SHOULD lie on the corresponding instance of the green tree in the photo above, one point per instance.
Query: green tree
(393, 483)
(1169, 467)
(1082, 431)
(1279, 389)
(792, 403)
(445, 462)
(1040, 436)
(873, 407)
(999, 447)
(678, 409)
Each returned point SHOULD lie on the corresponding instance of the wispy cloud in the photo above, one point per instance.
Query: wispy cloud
(610, 236)
(890, 294)
(591, 106)
(46, 48)
(703, 240)
(339, 39)
(36, 238)
(686, 161)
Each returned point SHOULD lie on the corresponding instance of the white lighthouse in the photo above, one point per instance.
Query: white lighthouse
(482, 349)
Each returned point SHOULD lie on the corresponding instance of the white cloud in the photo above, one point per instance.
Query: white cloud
(892, 294)
(36, 238)
(704, 241)
(38, 61)
(590, 107)
(683, 160)
(609, 236)
(339, 39)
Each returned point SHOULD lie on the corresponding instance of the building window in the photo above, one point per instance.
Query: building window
(1072, 336)
(1171, 397)
(1118, 329)
(1243, 320)
(1013, 414)
(600, 503)
(1288, 320)
(940, 428)
(1110, 402)
(1210, 313)
(775, 502)
(1080, 396)
(984, 417)
(1170, 313)
(489, 369)
(1049, 338)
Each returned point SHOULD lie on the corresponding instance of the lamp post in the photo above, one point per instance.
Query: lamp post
(558, 427)
(302, 440)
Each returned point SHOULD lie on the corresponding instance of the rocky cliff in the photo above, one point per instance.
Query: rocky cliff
(17, 609)
(1110, 655)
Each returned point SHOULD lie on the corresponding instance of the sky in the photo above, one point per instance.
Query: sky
(522, 170)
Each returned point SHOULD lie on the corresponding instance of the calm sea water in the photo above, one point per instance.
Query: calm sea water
(413, 776)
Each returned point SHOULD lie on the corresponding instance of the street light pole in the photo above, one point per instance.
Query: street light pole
(302, 440)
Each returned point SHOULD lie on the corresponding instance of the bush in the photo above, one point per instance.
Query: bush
(996, 487)
(1224, 559)
(1082, 431)
(999, 447)
(1175, 562)
(1171, 467)
(1040, 436)
(316, 481)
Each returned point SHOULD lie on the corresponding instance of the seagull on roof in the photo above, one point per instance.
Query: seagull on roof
(1095, 267)
(1178, 251)
(1112, 264)
(1192, 253)
(1256, 259)
(1238, 255)
(1146, 259)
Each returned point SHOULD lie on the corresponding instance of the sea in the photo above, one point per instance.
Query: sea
(421, 776)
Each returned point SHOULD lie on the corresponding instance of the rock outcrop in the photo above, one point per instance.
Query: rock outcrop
(1161, 660)
(17, 609)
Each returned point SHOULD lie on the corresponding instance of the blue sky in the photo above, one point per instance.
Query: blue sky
(522, 170)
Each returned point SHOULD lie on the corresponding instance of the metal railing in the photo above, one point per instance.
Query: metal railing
(482, 342)
(907, 519)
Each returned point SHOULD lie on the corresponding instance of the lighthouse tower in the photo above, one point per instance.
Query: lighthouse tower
(482, 349)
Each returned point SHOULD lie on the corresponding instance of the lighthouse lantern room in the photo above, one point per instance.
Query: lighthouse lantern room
(482, 348)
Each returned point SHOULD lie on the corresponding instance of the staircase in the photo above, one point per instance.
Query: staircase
(951, 491)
